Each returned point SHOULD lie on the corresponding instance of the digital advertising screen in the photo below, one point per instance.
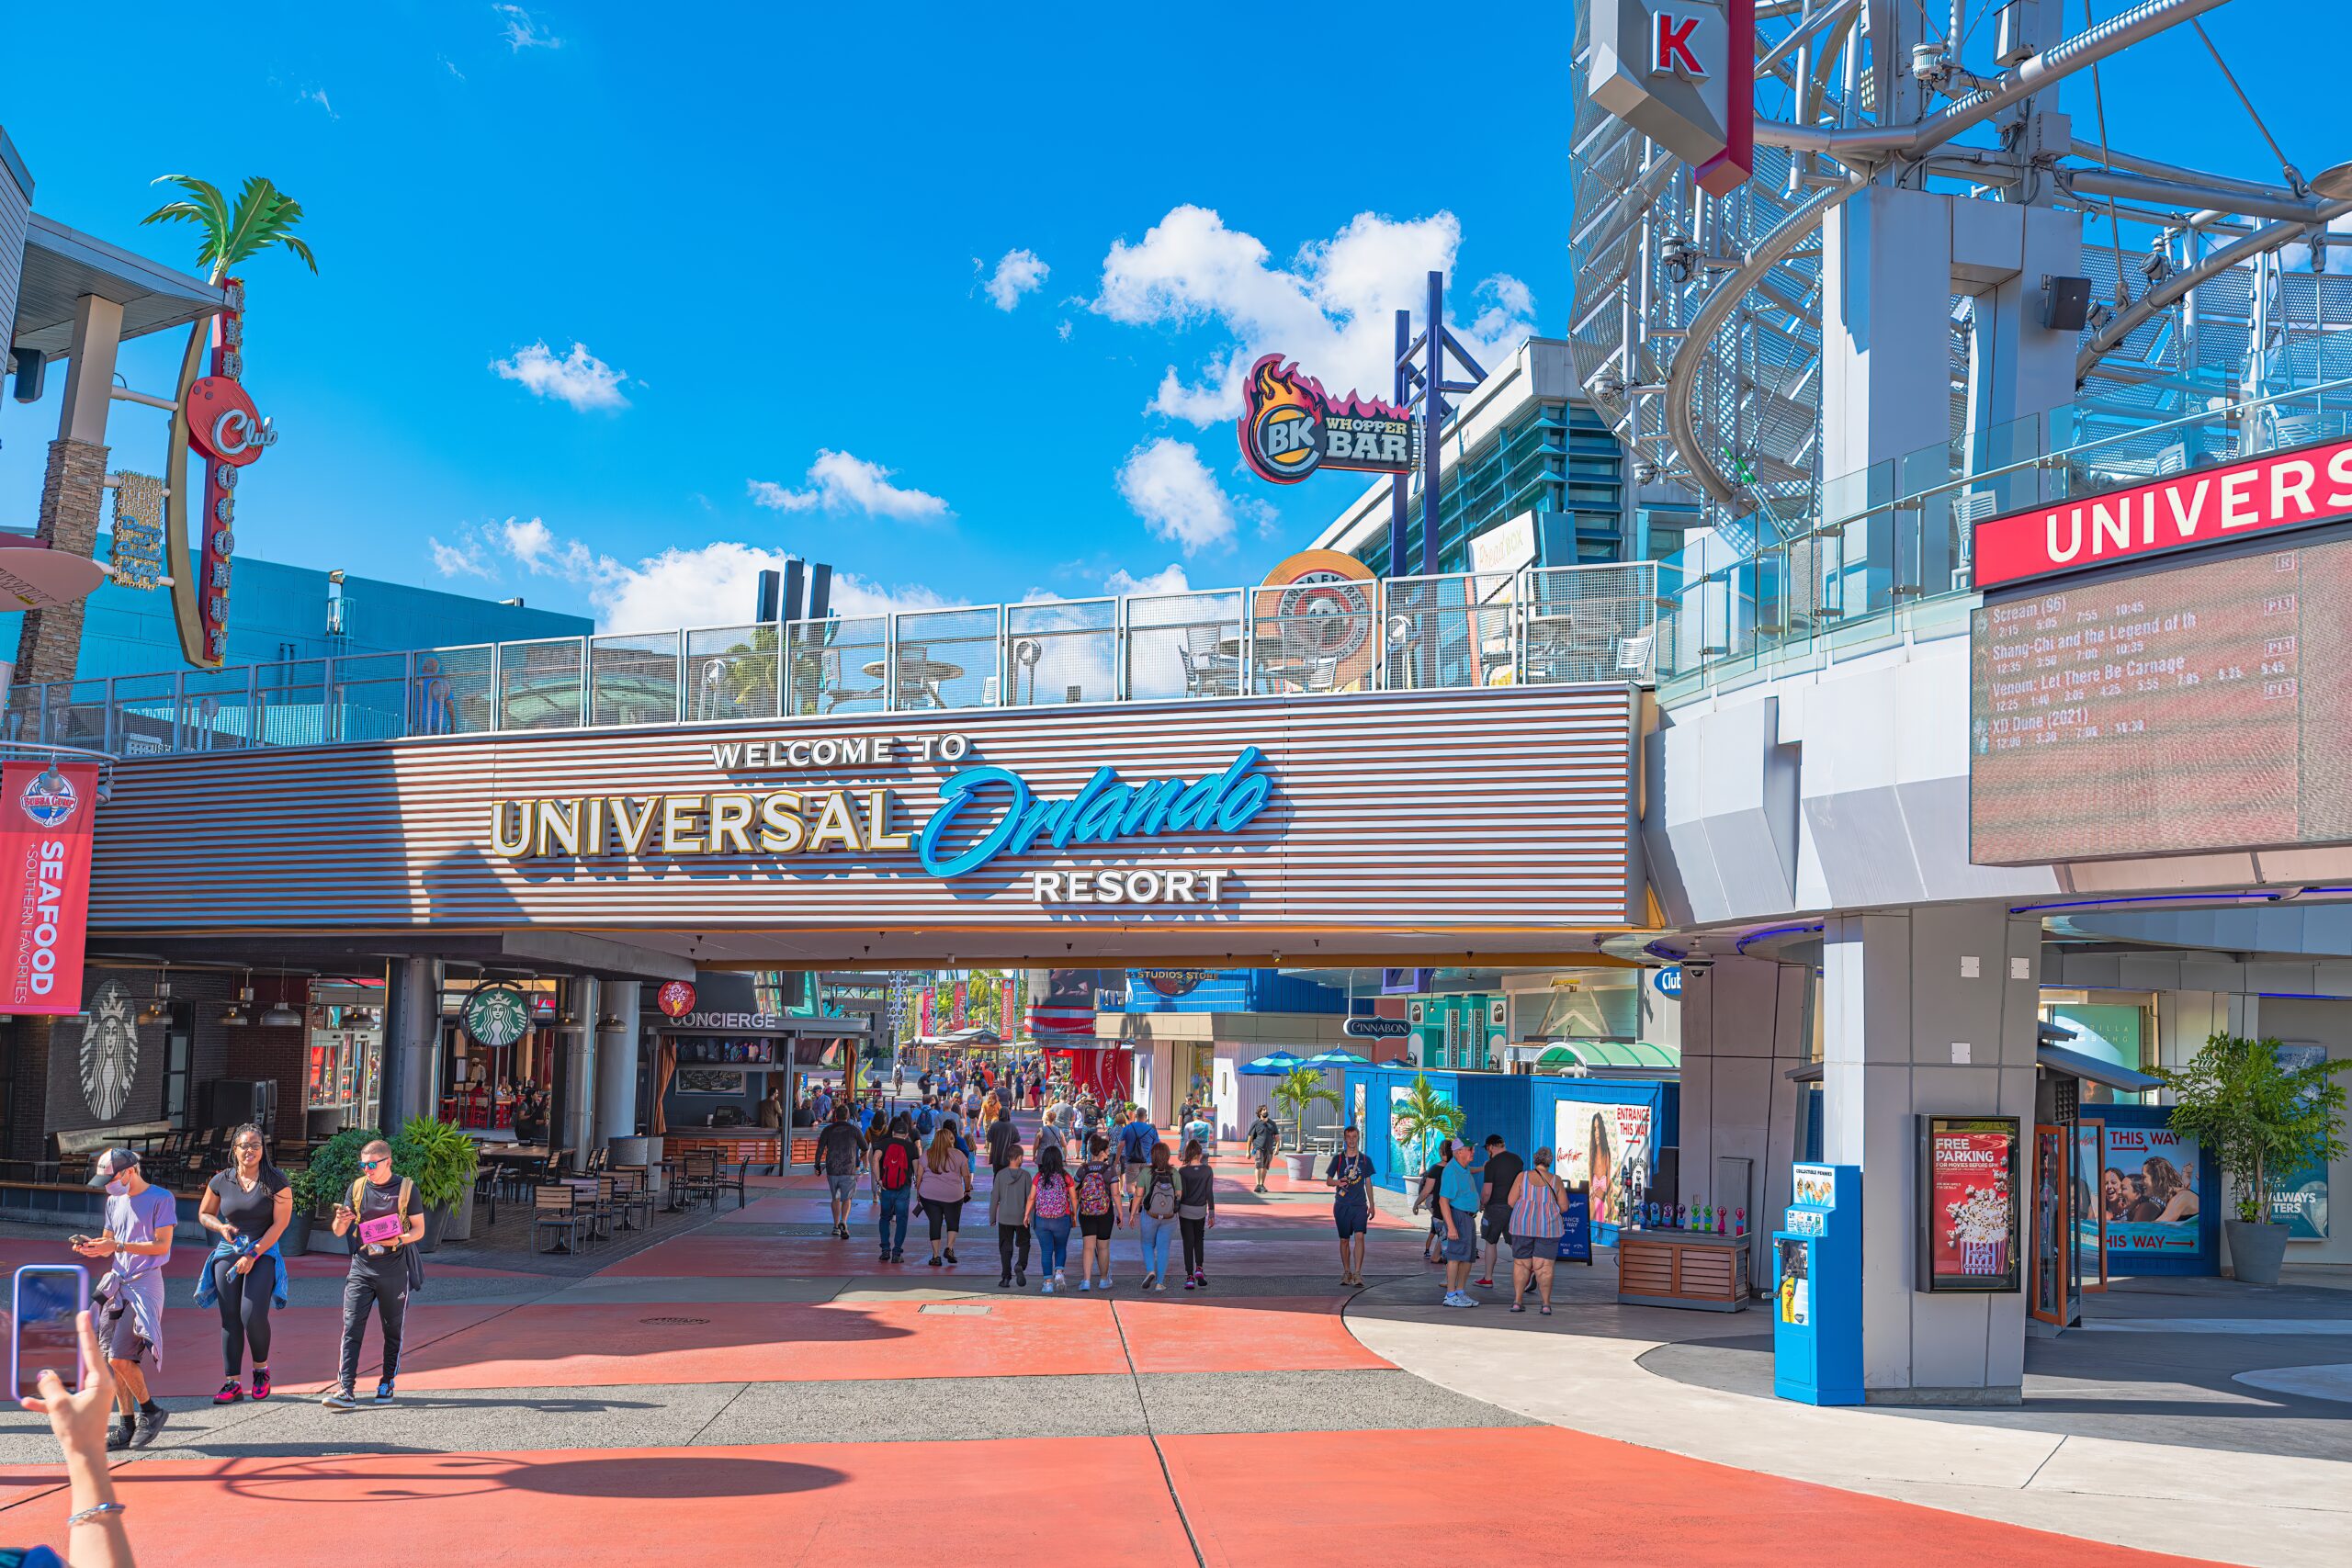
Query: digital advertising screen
(2203, 704)
(1968, 1174)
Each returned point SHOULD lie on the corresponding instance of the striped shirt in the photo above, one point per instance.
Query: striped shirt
(1537, 1212)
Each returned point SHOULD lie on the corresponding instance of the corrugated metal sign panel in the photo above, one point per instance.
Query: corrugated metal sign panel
(1476, 809)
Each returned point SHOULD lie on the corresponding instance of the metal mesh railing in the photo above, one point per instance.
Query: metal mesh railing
(1067, 651)
(827, 665)
(1572, 624)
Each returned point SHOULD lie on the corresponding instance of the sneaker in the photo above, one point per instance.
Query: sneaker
(261, 1382)
(1107, 1281)
(951, 1255)
(341, 1399)
(1020, 1280)
(1162, 1287)
(119, 1438)
(1147, 1281)
(1061, 1278)
(1002, 1280)
(1462, 1298)
(1192, 1283)
(1202, 1278)
(150, 1423)
(898, 1255)
(1046, 1288)
(231, 1392)
(935, 1260)
(384, 1391)
(1490, 1284)
(884, 1256)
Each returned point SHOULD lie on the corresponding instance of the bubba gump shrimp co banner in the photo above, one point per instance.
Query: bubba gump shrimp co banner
(46, 812)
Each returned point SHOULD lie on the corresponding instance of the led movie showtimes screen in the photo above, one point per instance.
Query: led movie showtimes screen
(2193, 706)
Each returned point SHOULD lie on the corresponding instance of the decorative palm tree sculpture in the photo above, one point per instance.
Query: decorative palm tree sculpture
(264, 216)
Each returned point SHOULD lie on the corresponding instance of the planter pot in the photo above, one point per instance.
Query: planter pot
(1302, 1167)
(2255, 1251)
(297, 1239)
(436, 1218)
(459, 1225)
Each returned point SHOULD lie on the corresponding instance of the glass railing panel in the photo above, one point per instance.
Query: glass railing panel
(634, 677)
(1452, 631)
(541, 684)
(1590, 622)
(946, 658)
(1185, 644)
(1320, 635)
(449, 691)
(836, 666)
(731, 672)
(1062, 651)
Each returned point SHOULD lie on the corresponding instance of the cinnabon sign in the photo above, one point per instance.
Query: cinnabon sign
(2281, 489)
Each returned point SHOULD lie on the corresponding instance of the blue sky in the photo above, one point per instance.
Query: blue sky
(614, 303)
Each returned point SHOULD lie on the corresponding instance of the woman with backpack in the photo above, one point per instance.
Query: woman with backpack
(1053, 1209)
(1538, 1209)
(1097, 1211)
(892, 1159)
(945, 1183)
(1153, 1209)
(1195, 1213)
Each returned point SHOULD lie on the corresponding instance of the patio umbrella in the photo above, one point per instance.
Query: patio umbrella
(1273, 1064)
(1336, 1059)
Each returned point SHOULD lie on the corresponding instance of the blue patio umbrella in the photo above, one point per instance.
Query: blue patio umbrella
(1273, 1064)
(1336, 1059)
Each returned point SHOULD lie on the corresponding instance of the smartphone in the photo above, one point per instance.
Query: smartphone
(47, 1299)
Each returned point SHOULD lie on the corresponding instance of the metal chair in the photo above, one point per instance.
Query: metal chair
(723, 1182)
(1209, 670)
(556, 1208)
(698, 1180)
(600, 1212)
(632, 1195)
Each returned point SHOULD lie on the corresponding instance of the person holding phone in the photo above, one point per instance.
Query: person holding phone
(381, 1215)
(95, 1536)
(248, 1206)
(128, 1303)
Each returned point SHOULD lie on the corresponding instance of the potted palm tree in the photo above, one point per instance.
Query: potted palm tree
(1295, 1091)
(442, 1161)
(2261, 1117)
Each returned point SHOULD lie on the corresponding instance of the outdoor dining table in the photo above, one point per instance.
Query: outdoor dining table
(926, 675)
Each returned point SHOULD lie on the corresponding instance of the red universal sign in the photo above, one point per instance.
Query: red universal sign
(2281, 489)
(45, 813)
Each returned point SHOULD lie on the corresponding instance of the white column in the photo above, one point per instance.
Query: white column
(89, 371)
(412, 1066)
(617, 1063)
(1930, 1010)
(578, 1042)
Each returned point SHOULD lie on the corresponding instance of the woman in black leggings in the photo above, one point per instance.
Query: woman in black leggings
(1195, 1213)
(247, 1208)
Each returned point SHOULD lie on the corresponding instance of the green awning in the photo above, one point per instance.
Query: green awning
(1614, 1055)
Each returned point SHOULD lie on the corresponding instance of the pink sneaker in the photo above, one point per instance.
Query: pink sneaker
(261, 1382)
(230, 1393)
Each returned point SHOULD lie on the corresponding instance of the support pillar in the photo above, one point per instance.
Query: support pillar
(617, 1063)
(1743, 1024)
(74, 489)
(412, 1066)
(578, 1044)
(1928, 1011)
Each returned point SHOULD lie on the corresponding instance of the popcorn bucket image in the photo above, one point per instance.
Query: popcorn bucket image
(1984, 1257)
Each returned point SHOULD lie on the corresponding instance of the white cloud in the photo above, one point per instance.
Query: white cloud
(528, 542)
(461, 559)
(1062, 332)
(1017, 273)
(317, 96)
(1177, 497)
(523, 32)
(452, 65)
(840, 482)
(1331, 308)
(1168, 578)
(579, 378)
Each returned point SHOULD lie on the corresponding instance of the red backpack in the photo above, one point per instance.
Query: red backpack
(898, 1169)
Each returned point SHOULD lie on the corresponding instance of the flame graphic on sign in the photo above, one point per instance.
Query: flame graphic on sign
(1280, 427)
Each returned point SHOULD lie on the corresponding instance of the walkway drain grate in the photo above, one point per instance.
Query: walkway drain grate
(673, 1322)
(954, 1309)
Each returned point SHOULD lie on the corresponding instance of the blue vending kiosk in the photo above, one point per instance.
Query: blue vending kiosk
(1818, 1289)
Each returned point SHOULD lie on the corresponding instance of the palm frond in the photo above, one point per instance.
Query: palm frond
(203, 208)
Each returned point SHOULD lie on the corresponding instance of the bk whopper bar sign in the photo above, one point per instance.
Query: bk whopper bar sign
(45, 818)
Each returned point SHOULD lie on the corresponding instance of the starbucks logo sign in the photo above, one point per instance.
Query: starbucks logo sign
(110, 1051)
(496, 1015)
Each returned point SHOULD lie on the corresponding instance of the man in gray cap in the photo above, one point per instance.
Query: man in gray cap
(128, 1303)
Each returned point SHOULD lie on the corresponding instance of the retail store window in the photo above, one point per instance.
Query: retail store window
(2113, 1026)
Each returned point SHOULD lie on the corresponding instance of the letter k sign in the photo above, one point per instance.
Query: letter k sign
(1671, 51)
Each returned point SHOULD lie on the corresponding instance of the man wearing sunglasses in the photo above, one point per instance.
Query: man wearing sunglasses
(381, 1216)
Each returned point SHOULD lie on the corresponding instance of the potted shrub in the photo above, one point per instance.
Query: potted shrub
(334, 1166)
(441, 1160)
(2261, 1119)
(1294, 1092)
(296, 1240)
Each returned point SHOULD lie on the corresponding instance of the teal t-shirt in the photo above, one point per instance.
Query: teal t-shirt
(1459, 1188)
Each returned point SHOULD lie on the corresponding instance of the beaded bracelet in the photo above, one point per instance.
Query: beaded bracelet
(86, 1515)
